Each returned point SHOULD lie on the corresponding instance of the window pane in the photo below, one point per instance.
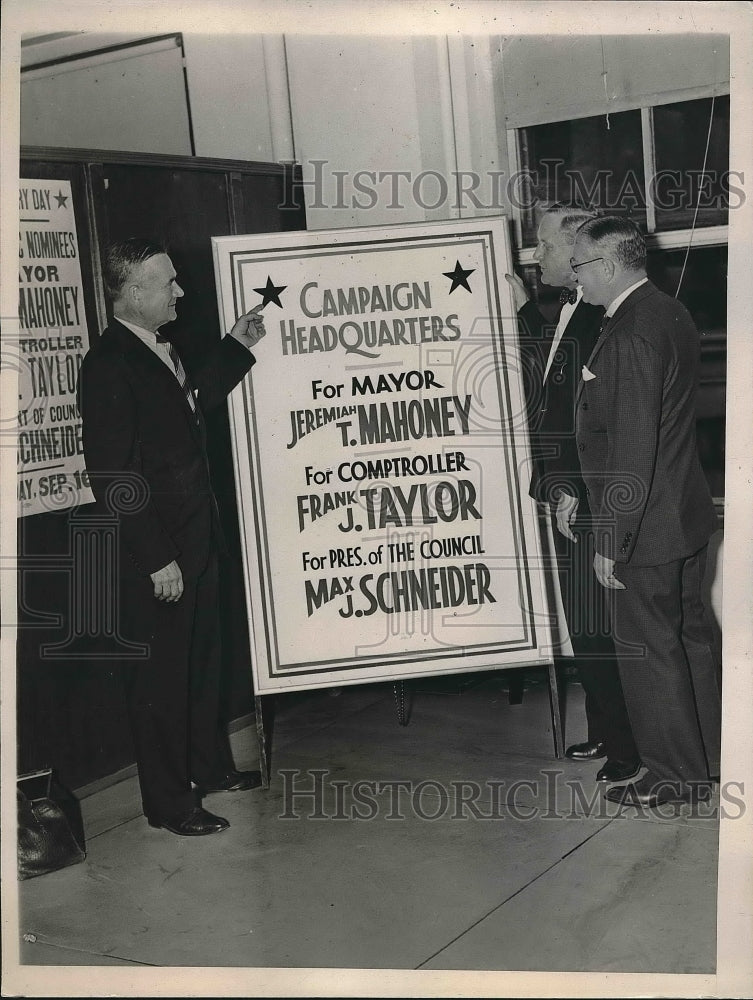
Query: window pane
(680, 134)
(704, 284)
(592, 160)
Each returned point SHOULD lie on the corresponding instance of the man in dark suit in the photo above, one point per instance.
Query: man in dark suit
(145, 447)
(653, 511)
(553, 360)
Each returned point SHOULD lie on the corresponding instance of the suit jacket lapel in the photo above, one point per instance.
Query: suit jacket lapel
(610, 324)
(138, 355)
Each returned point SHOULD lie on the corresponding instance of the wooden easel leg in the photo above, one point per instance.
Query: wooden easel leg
(515, 687)
(261, 738)
(556, 707)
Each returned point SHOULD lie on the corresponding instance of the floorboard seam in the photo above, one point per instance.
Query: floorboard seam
(115, 826)
(517, 892)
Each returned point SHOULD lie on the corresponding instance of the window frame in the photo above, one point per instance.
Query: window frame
(671, 239)
(664, 240)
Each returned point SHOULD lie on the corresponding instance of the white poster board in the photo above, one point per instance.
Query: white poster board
(382, 456)
(53, 339)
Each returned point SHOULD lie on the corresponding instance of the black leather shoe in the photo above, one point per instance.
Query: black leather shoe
(586, 751)
(196, 823)
(618, 770)
(651, 792)
(235, 781)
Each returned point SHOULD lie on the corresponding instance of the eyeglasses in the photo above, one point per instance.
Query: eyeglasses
(583, 263)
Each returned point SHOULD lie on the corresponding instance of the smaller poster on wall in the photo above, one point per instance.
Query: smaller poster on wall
(382, 457)
(52, 341)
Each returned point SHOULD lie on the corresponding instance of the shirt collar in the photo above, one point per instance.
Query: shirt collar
(616, 303)
(143, 334)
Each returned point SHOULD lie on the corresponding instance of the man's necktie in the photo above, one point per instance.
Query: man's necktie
(180, 372)
(568, 295)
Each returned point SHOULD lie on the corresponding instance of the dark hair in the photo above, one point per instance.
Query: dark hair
(120, 259)
(572, 215)
(619, 238)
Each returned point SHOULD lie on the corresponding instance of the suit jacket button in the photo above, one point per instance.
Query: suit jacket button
(584, 405)
(588, 492)
(581, 447)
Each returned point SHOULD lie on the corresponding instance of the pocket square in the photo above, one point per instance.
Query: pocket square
(586, 375)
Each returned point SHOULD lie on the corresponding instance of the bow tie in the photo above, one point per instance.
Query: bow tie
(568, 295)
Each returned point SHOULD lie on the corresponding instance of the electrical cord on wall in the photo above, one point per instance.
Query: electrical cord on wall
(698, 203)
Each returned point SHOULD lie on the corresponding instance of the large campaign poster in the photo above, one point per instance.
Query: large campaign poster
(53, 339)
(382, 456)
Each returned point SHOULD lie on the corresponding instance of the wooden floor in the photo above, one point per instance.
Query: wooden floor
(457, 842)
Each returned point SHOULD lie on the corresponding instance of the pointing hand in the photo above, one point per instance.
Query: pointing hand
(249, 328)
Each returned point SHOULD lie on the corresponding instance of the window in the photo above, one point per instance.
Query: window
(704, 285)
(680, 132)
(647, 164)
(585, 160)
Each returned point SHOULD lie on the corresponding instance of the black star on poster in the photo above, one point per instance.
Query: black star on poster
(61, 199)
(459, 277)
(271, 293)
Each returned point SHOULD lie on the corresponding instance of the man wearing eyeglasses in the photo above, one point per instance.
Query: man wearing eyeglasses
(553, 364)
(653, 512)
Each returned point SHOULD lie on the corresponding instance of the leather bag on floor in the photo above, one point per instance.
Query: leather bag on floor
(45, 840)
